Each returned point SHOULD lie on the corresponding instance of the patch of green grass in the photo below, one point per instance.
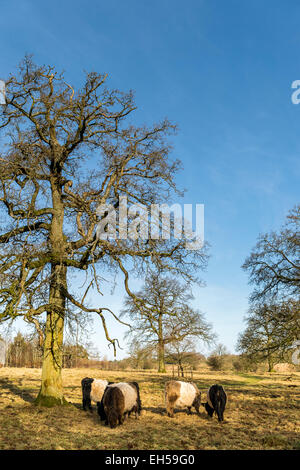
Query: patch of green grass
(251, 378)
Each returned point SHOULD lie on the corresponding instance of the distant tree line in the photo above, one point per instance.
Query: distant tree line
(181, 358)
(26, 351)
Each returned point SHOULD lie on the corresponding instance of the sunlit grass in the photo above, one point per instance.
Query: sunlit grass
(263, 412)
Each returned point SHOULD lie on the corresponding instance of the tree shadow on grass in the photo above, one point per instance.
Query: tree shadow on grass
(252, 377)
(155, 409)
(161, 411)
(79, 407)
(18, 391)
(201, 383)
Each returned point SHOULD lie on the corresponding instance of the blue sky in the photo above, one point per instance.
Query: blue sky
(223, 72)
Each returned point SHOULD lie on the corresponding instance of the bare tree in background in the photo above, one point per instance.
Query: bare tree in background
(274, 264)
(162, 315)
(64, 152)
(183, 353)
(140, 354)
(271, 331)
(24, 351)
(216, 360)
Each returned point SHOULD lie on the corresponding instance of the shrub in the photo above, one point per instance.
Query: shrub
(244, 364)
(215, 362)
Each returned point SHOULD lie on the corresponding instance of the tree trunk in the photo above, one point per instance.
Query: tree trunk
(270, 364)
(269, 353)
(161, 356)
(181, 369)
(161, 346)
(51, 392)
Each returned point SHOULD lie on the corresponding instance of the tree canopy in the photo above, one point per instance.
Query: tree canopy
(274, 263)
(163, 315)
(271, 331)
(64, 153)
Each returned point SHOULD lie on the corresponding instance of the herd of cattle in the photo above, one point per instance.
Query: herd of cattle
(116, 401)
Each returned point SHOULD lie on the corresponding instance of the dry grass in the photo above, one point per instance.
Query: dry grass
(262, 413)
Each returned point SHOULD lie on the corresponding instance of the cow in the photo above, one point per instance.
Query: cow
(119, 400)
(216, 401)
(92, 390)
(180, 395)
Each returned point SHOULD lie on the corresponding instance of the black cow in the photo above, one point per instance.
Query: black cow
(216, 401)
(92, 390)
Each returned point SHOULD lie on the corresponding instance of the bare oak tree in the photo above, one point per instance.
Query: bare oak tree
(64, 152)
(271, 331)
(183, 353)
(274, 264)
(162, 315)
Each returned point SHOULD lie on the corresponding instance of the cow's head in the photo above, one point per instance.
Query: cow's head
(197, 402)
(113, 418)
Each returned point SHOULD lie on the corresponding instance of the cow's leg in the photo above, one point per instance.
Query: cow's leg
(100, 410)
(86, 401)
(135, 409)
(121, 419)
(89, 403)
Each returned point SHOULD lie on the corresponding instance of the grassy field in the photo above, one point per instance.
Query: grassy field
(263, 412)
